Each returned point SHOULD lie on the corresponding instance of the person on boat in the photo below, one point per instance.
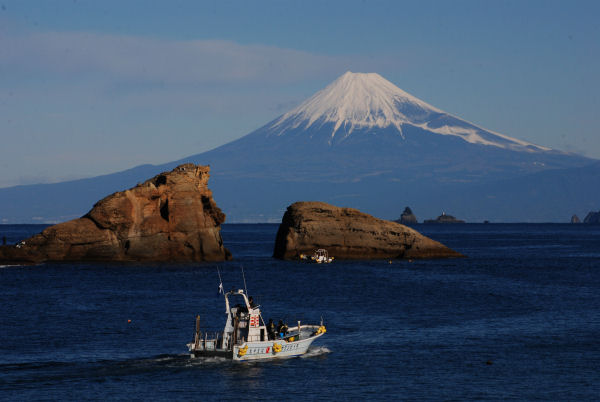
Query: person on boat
(282, 329)
(271, 329)
(240, 309)
(251, 301)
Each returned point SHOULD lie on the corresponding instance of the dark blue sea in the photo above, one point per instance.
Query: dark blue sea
(518, 319)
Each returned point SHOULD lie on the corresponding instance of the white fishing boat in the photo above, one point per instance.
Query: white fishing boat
(320, 256)
(246, 337)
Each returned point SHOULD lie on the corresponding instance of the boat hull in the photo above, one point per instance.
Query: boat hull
(265, 350)
(268, 350)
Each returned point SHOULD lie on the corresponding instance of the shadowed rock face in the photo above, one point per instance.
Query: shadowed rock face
(171, 217)
(592, 217)
(407, 217)
(347, 233)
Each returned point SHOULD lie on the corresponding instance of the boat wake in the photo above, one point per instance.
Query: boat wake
(206, 360)
(18, 265)
(31, 374)
(316, 351)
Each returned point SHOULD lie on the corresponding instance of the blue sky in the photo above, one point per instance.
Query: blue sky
(93, 87)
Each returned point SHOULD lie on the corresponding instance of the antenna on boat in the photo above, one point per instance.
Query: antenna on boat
(221, 289)
(244, 276)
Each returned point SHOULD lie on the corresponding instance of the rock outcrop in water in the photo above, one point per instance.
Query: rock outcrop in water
(592, 218)
(171, 217)
(443, 218)
(350, 234)
(407, 217)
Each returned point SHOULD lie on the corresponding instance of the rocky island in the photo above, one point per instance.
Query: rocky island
(350, 234)
(592, 218)
(443, 218)
(171, 217)
(407, 217)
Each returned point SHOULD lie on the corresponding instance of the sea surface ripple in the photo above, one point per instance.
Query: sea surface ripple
(518, 319)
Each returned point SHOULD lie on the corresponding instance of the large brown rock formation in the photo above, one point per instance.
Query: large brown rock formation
(171, 217)
(347, 233)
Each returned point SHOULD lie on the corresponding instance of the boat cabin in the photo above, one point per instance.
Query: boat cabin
(244, 321)
(321, 256)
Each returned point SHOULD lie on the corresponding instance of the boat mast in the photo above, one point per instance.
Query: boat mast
(244, 276)
(197, 337)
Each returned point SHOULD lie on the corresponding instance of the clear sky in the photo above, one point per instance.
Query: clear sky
(92, 87)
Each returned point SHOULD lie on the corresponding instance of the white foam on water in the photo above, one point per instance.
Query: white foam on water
(316, 351)
(194, 361)
(12, 266)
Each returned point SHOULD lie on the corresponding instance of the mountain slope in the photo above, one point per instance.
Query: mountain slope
(363, 125)
(369, 101)
(360, 142)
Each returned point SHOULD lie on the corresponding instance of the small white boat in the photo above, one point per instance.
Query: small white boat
(320, 256)
(245, 336)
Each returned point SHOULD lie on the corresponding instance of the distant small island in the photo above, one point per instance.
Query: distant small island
(592, 218)
(444, 218)
(407, 217)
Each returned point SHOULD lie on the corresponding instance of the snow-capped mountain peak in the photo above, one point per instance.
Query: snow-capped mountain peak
(367, 100)
(358, 100)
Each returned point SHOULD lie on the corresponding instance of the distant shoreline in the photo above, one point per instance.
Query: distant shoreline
(414, 224)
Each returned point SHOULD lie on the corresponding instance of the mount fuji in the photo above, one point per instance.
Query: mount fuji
(363, 142)
(362, 125)
(368, 102)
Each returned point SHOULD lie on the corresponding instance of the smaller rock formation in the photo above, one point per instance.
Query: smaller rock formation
(407, 217)
(575, 219)
(443, 218)
(171, 217)
(347, 233)
(592, 218)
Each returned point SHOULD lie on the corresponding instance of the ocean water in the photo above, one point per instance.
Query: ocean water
(518, 319)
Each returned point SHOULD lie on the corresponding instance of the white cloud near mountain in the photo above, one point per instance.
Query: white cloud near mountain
(81, 93)
(147, 59)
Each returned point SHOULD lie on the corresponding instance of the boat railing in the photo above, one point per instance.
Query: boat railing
(302, 332)
(209, 340)
(303, 326)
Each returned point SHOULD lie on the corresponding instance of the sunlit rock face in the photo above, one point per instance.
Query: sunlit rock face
(171, 217)
(347, 233)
